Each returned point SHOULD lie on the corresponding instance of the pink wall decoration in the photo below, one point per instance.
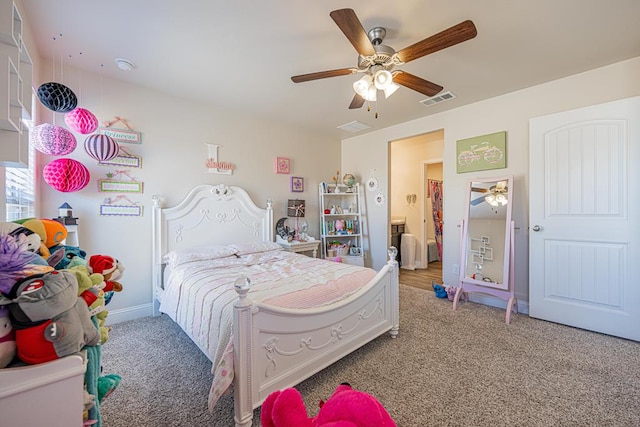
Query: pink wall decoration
(52, 140)
(81, 120)
(66, 175)
(101, 147)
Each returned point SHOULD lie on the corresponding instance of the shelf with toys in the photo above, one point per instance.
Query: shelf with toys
(341, 221)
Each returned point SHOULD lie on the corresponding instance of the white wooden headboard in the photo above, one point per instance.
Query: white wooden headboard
(209, 214)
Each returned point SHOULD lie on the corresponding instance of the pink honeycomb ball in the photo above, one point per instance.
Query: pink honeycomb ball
(66, 175)
(81, 120)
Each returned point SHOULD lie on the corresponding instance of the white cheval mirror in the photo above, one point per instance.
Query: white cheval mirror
(487, 242)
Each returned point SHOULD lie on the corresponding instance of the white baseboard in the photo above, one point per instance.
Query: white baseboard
(129, 313)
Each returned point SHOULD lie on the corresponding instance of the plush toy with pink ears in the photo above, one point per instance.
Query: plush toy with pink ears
(345, 408)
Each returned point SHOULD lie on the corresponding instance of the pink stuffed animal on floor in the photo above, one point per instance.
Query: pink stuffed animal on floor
(345, 408)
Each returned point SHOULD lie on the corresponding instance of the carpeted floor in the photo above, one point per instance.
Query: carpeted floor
(446, 368)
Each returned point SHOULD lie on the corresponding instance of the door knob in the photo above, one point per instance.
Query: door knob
(536, 228)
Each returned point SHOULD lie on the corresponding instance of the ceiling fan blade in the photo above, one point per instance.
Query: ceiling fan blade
(348, 22)
(479, 190)
(451, 36)
(356, 102)
(322, 75)
(416, 83)
(477, 201)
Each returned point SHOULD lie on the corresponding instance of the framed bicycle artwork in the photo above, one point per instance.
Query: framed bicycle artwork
(482, 152)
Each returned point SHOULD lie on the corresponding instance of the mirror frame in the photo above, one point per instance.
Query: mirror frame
(464, 239)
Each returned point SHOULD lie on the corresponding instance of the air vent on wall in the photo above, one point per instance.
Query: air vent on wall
(444, 96)
(354, 126)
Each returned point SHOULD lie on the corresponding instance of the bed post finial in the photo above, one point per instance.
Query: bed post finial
(242, 285)
(393, 253)
(157, 201)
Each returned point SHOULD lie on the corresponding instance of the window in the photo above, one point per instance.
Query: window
(20, 187)
(20, 192)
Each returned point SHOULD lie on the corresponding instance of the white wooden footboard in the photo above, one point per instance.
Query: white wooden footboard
(275, 348)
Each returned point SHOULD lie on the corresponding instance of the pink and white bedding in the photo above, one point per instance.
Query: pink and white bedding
(199, 293)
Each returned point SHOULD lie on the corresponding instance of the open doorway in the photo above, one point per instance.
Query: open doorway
(413, 162)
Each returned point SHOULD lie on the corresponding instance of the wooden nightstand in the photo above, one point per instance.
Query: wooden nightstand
(295, 246)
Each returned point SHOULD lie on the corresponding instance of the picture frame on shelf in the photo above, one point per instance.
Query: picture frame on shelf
(283, 165)
(297, 184)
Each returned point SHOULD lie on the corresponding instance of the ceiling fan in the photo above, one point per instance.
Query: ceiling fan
(497, 194)
(377, 61)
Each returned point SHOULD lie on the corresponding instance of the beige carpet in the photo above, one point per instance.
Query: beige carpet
(446, 368)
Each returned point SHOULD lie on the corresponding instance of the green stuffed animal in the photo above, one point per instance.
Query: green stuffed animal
(88, 283)
(107, 384)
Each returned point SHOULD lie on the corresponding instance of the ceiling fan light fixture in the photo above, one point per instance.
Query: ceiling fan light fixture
(371, 95)
(362, 86)
(382, 79)
(389, 90)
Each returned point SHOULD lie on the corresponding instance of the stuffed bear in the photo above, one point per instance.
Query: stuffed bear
(7, 338)
(345, 408)
(49, 318)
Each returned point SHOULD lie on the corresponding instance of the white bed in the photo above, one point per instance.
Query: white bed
(272, 347)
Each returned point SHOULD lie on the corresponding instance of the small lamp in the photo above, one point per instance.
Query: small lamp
(296, 208)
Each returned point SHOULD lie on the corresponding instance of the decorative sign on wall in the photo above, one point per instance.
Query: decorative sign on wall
(214, 165)
(115, 207)
(123, 135)
(119, 182)
(127, 135)
(482, 152)
(124, 159)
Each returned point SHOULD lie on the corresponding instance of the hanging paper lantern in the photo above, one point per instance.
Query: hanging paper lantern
(52, 140)
(81, 120)
(101, 147)
(57, 97)
(66, 175)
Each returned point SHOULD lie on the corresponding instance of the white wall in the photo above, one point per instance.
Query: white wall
(173, 151)
(510, 113)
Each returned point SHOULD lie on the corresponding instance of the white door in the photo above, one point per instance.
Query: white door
(584, 230)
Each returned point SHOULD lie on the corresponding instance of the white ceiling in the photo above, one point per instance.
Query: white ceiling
(240, 54)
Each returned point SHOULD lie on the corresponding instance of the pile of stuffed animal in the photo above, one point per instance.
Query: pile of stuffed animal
(52, 302)
(345, 408)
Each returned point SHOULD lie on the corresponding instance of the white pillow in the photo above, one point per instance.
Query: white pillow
(198, 253)
(246, 248)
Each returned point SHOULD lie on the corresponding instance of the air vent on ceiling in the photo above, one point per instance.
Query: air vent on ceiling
(445, 96)
(354, 126)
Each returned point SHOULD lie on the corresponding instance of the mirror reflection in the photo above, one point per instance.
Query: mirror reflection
(486, 237)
